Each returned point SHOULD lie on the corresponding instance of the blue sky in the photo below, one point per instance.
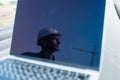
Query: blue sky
(79, 21)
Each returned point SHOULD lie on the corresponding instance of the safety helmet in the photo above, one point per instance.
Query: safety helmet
(47, 31)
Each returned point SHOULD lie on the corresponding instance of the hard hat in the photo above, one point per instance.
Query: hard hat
(47, 31)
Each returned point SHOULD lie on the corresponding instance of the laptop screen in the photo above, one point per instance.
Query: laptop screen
(68, 31)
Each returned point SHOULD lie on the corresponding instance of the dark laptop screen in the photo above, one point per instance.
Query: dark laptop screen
(78, 22)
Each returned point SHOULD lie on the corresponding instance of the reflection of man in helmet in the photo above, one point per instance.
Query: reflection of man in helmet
(48, 39)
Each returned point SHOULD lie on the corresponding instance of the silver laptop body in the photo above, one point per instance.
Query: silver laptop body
(81, 26)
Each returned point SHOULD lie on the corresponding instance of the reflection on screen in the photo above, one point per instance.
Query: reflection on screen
(63, 31)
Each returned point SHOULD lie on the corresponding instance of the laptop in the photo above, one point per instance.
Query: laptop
(78, 58)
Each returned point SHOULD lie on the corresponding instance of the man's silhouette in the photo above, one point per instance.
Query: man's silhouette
(49, 40)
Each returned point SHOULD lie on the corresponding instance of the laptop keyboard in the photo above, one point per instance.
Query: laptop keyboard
(19, 70)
